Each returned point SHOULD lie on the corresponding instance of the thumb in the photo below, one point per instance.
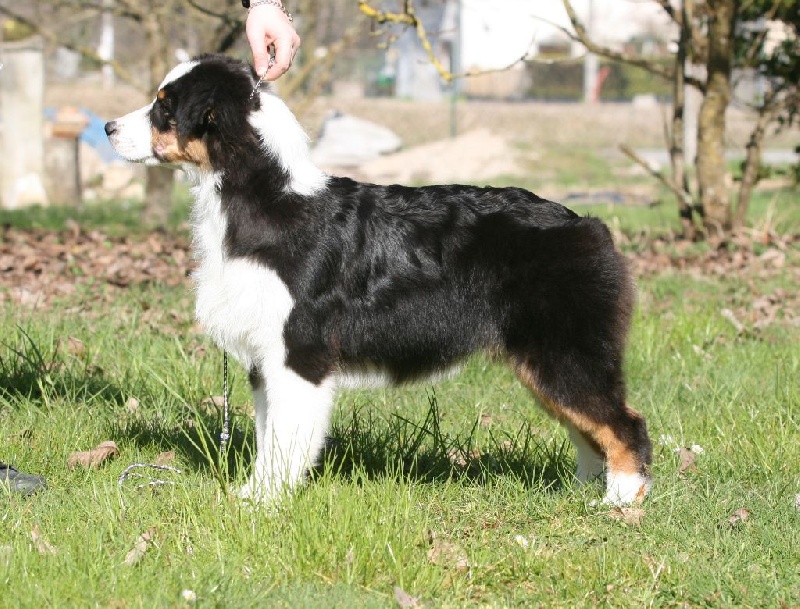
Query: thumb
(261, 62)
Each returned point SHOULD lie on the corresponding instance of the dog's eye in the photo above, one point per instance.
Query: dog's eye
(172, 121)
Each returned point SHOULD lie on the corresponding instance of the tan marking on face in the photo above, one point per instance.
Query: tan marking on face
(161, 94)
(620, 458)
(168, 146)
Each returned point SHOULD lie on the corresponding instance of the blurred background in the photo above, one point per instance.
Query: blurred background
(586, 101)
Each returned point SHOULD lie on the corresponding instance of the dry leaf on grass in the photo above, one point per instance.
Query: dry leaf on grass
(96, 456)
(132, 405)
(44, 547)
(210, 405)
(458, 457)
(165, 458)
(629, 515)
(738, 517)
(688, 460)
(139, 547)
(446, 553)
(405, 600)
(76, 346)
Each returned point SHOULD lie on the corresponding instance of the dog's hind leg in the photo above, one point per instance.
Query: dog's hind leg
(601, 426)
(292, 418)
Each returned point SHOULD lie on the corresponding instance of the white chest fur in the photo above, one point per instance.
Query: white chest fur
(242, 305)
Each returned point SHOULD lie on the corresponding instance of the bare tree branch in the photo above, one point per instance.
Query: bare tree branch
(582, 36)
(408, 17)
(87, 52)
(681, 194)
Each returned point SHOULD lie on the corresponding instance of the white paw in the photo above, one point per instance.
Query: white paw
(625, 489)
(256, 492)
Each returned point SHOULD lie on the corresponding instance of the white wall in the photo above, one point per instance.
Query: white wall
(495, 33)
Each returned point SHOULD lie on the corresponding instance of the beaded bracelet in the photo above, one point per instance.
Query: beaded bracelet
(276, 3)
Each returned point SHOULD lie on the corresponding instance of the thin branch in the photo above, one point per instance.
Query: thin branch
(582, 36)
(682, 194)
(226, 16)
(409, 18)
(87, 52)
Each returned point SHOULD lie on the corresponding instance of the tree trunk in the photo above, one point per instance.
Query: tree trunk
(711, 171)
(159, 180)
(752, 163)
(676, 150)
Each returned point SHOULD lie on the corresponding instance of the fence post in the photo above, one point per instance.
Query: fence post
(21, 104)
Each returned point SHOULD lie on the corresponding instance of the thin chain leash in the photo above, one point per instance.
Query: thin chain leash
(260, 81)
(225, 434)
(224, 438)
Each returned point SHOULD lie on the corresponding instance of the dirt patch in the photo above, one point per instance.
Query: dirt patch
(471, 157)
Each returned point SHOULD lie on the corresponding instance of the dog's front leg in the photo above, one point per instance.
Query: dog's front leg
(291, 421)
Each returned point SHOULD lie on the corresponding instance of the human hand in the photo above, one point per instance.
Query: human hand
(268, 26)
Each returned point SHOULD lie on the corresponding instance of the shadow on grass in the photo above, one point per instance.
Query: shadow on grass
(196, 438)
(30, 374)
(366, 445)
(369, 446)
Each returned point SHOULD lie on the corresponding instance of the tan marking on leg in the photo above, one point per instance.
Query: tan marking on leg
(618, 456)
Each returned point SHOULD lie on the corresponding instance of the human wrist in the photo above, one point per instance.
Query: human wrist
(251, 4)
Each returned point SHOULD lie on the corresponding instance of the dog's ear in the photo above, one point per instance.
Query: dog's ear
(193, 118)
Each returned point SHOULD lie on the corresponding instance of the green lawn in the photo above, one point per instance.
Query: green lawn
(459, 494)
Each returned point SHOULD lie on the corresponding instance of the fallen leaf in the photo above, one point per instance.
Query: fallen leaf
(738, 517)
(688, 458)
(76, 346)
(44, 547)
(96, 456)
(458, 457)
(446, 553)
(629, 515)
(212, 405)
(731, 317)
(486, 420)
(165, 458)
(132, 404)
(405, 600)
(139, 548)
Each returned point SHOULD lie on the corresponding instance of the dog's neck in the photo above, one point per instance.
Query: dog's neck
(283, 139)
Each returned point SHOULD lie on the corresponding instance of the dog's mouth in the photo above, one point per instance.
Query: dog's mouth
(159, 154)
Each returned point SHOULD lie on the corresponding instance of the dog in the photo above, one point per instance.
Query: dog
(314, 282)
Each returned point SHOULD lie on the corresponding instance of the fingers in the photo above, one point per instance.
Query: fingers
(267, 26)
(285, 50)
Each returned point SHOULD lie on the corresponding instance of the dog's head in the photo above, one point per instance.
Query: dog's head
(201, 107)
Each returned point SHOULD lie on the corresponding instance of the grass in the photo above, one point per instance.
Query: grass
(459, 494)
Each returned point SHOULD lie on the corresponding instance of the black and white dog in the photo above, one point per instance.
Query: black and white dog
(313, 281)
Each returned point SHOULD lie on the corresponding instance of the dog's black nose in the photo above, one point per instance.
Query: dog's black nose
(111, 127)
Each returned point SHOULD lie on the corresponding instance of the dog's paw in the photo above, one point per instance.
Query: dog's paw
(256, 492)
(626, 489)
(246, 491)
